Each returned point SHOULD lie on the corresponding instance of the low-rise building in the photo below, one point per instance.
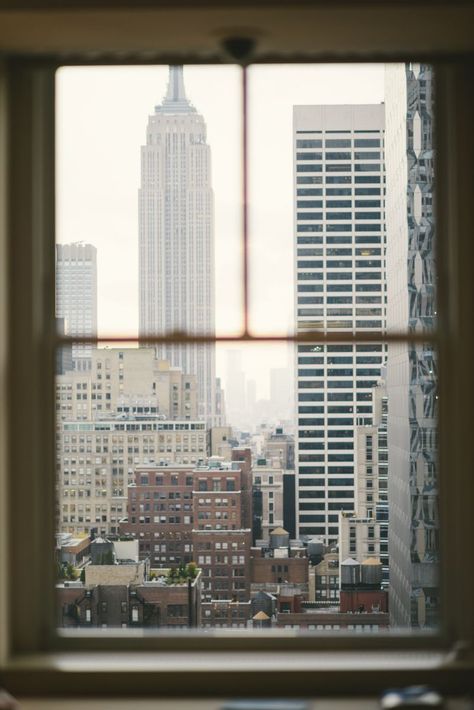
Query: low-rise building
(324, 581)
(361, 586)
(157, 603)
(279, 570)
(226, 613)
(72, 549)
(130, 573)
(266, 572)
(333, 620)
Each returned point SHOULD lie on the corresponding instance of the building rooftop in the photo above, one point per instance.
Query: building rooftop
(134, 424)
(69, 540)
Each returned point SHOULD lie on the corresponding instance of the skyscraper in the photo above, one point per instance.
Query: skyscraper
(282, 392)
(411, 368)
(235, 389)
(76, 295)
(176, 236)
(340, 243)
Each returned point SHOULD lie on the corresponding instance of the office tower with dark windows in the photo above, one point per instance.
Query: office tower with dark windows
(411, 367)
(76, 296)
(340, 244)
(176, 237)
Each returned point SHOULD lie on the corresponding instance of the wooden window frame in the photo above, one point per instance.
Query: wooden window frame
(131, 663)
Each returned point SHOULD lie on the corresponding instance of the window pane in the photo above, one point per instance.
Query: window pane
(366, 447)
(288, 485)
(383, 189)
(149, 191)
(143, 478)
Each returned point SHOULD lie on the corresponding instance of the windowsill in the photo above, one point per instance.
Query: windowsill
(322, 703)
(185, 674)
(229, 662)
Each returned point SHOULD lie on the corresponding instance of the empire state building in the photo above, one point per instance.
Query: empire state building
(176, 236)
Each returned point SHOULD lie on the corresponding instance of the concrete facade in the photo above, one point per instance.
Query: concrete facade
(340, 272)
(268, 479)
(128, 382)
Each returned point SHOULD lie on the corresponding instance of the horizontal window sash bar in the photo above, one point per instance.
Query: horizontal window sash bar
(305, 337)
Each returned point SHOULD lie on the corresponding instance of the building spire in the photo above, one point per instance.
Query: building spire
(175, 100)
(176, 90)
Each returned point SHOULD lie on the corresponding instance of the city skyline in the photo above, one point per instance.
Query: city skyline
(100, 206)
(143, 413)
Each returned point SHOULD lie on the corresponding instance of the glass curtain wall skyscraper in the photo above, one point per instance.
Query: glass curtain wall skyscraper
(176, 236)
(411, 368)
(340, 282)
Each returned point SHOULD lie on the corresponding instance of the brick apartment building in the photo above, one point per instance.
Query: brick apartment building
(243, 457)
(333, 620)
(226, 614)
(160, 513)
(324, 581)
(270, 571)
(184, 513)
(362, 586)
(364, 600)
(151, 604)
(224, 557)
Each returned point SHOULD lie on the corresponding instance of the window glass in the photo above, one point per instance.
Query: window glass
(205, 481)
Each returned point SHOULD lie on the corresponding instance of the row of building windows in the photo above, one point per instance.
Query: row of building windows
(337, 191)
(337, 142)
(339, 155)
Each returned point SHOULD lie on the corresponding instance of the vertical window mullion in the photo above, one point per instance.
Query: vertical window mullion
(245, 236)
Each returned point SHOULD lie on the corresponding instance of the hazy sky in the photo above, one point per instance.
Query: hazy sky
(102, 115)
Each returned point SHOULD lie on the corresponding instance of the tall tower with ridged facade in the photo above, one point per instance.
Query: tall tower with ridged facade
(412, 368)
(176, 237)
